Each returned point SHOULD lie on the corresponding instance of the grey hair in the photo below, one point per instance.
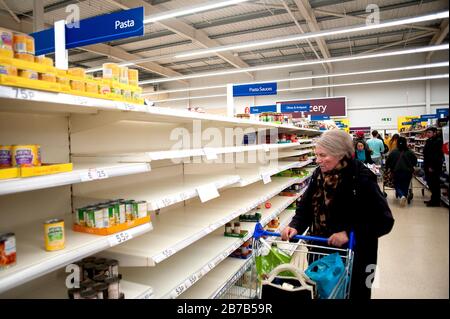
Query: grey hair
(337, 143)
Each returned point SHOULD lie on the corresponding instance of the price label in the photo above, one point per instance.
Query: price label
(168, 252)
(207, 192)
(126, 107)
(266, 178)
(266, 148)
(210, 154)
(81, 100)
(148, 294)
(211, 265)
(93, 174)
(119, 238)
(24, 94)
(192, 279)
(179, 290)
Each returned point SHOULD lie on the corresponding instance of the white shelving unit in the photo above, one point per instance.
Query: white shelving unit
(111, 145)
(34, 261)
(178, 228)
(81, 173)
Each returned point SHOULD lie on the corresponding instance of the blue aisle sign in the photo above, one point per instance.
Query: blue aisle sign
(294, 108)
(320, 117)
(407, 123)
(429, 116)
(262, 109)
(442, 112)
(255, 89)
(104, 28)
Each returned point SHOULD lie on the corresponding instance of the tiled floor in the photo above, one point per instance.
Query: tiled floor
(413, 259)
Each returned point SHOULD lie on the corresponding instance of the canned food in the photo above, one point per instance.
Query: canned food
(49, 77)
(80, 72)
(20, 43)
(8, 70)
(6, 39)
(116, 90)
(26, 155)
(6, 53)
(7, 250)
(80, 216)
(92, 87)
(27, 74)
(133, 77)
(123, 75)
(128, 210)
(98, 217)
(63, 80)
(77, 85)
(24, 56)
(111, 71)
(122, 212)
(54, 234)
(5, 156)
(105, 88)
(30, 44)
(135, 95)
(89, 217)
(141, 209)
(126, 94)
(42, 59)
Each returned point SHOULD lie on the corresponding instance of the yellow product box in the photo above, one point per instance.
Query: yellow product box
(29, 83)
(27, 65)
(112, 229)
(46, 169)
(12, 172)
(61, 73)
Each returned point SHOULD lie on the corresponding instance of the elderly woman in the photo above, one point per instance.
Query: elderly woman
(343, 196)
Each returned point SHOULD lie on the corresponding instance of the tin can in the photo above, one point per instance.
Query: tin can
(8, 70)
(89, 216)
(133, 77)
(63, 81)
(24, 56)
(20, 43)
(30, 45)
(123, 75)
(141, 209)
(26, 155)
(7, 250)
(98, 217)
(80, 216)
(122, 212)
(54, 234)
(49, 77)
(128, 210)
(5, 156)
(77, 85)
(111, 71)
(42, 59)
(116, 90)
(79, 72)
(92, 87)
(28, 74)
(6, 39)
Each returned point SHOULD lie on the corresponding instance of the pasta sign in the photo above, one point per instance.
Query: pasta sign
(330, 106)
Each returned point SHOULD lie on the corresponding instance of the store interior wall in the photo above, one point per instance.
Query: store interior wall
(389, 100)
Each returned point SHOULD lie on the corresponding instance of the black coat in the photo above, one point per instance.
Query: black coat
(399, 162)
(358, 205)
(432, 154)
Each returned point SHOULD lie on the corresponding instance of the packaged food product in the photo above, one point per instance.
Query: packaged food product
(116, 90)
(228, 228)
(6, 39)
(5, 156)
(133, 77)
(49, 77)
(111, 71)
(26, 155)
(141, 209)
(80, 72)
(42, 59)
(237, 228)
(8, 70)
(24, 56)
(77, 85)
(135, 95)
(98, 217)
(105, 88)
(54, 234)
(28, 74)
(92, 87)
(20, 43)
(6, 53)
(79, 216)
(126, 94)
(63, 80)
(123, 74)
(7, 250)
(30, 44)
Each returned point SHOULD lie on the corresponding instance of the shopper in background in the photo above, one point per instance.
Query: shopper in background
(432, 164)
(401, 161)
(386, 148)
(362, 152)
(377, 147)
(343, 195)
(393, 142)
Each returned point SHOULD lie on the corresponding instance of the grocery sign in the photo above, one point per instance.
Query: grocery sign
(104, 28)
(331, 106)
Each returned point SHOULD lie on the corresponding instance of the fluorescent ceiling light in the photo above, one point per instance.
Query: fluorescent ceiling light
(405, 68)
(190, 10)
(301, 63)
(319, 34)
(420, 78)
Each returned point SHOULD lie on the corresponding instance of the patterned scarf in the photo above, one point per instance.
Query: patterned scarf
(326, 186)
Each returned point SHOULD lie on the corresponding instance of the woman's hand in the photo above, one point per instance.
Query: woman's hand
(338, 239)
(288, 233)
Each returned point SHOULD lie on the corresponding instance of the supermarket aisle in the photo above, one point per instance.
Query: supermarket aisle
(414, 258)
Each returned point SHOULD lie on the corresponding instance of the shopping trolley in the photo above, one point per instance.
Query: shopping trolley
(306, 254)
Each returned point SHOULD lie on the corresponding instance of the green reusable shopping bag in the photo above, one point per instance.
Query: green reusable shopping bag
(265, 264)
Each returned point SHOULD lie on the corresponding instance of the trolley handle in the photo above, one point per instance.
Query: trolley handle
(259, 232)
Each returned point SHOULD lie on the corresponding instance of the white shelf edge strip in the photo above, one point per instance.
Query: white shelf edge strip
(157, 258)
(17, 185)
(94, 103)
(39, 269)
